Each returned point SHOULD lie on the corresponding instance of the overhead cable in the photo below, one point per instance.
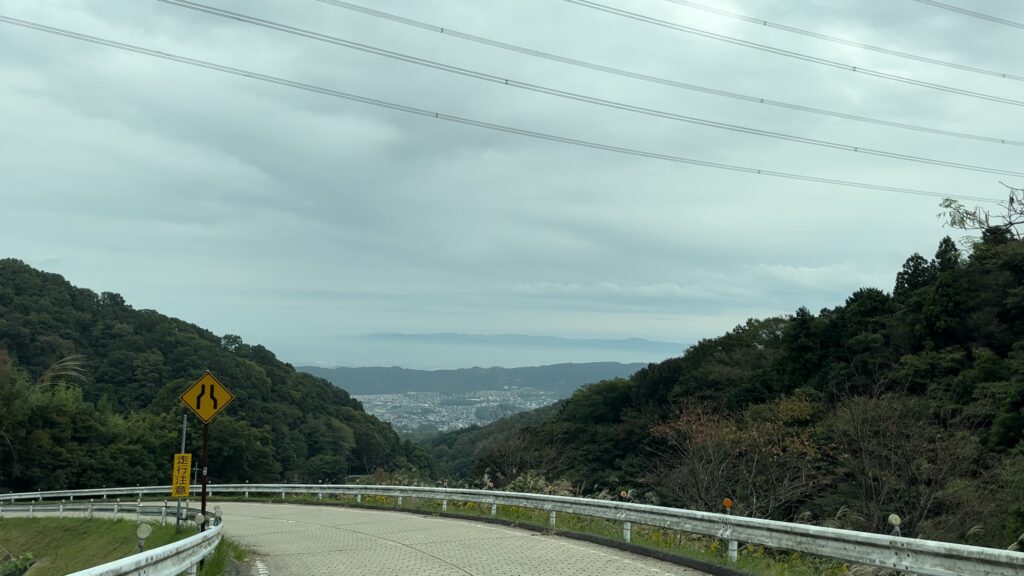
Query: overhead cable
(972, 13)
(791, 54)
(471, 122)
(844, 41)
(663, 81)
(573, 95)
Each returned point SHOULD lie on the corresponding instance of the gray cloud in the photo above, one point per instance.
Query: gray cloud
(289, 217)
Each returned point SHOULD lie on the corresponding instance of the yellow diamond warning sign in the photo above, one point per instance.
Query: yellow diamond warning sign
(207, 397)
(179, 480)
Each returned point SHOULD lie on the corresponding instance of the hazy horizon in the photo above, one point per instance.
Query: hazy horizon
(428, 351)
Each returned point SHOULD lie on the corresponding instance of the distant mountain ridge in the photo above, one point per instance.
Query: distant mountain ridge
(560, 379)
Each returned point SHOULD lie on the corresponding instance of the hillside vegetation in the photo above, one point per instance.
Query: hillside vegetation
(910, 402)
(89, 392)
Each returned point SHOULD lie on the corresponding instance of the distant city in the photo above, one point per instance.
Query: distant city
(421, 412)
(425, 401)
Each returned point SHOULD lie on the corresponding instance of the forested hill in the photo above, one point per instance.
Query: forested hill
(89, 392)
(560, 379)
(907, 402)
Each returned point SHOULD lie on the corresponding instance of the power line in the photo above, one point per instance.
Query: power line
(659, 80)
(572, 95)
(844, 41)
(792, 54)
(971, 13)
(471, 122)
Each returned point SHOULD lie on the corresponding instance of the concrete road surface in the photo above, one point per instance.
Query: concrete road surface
(295, 540)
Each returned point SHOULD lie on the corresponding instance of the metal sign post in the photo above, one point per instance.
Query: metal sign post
(177, 517)
(206, 398)
(206, 463)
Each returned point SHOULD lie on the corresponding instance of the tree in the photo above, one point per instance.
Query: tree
(116, 391)
(803, 349)
(506, 457)
(899, 455)
(766, 461)
(916, 274)
(1009, 221)
(14, 407)
(947, 256)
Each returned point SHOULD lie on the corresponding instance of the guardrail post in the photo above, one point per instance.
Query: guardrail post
(319, 495)
(90, 508)
(1, 511)
(31, 512)
(72, 497)
(551, 519)
(359, 498)
(733, 545)
(444, 505)
(163, 514)
(117, 506)
(246, 488)
(494, 509)
(399, 501)
(282, 495)
(627, 531)
(61, 515)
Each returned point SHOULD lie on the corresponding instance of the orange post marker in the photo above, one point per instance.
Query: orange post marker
(727, 503)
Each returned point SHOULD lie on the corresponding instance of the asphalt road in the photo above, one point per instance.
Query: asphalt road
(294, 540)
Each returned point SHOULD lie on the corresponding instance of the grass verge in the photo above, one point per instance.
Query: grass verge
(63, 545)
(227, 554)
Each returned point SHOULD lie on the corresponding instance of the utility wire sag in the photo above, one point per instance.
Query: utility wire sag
(791, 54)
(334, 40)
(844, 41)
(472, 122)
(661, 80)
(971, 13)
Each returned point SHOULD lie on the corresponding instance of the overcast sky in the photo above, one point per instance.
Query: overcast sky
(329, 230)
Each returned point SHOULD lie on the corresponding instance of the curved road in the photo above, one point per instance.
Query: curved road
(311, 540)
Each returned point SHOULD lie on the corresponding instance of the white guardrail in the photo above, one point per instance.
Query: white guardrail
(175, 558)
(923, 557)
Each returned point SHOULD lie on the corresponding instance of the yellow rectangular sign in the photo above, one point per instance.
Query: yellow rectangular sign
(179, 481)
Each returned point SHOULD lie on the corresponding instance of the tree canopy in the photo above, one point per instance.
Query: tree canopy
(909, 402)
(89, 392)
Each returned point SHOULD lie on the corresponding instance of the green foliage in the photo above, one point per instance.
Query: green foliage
(61, 546)
(89, 392)
(16, 566)
(226, 554)
(470, 453)
(910, 403)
